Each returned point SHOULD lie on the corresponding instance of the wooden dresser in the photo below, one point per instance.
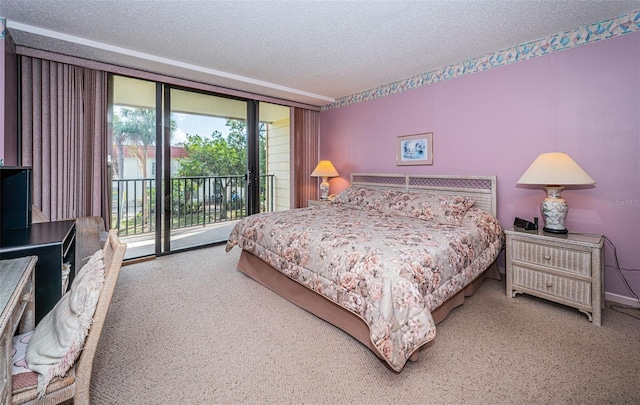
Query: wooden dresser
(17, 303)
(567, 269)
(54, 244)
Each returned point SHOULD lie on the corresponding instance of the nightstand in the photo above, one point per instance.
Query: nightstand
(567, 269)
(318, 203)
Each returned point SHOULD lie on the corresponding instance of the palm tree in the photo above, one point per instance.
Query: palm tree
(140, 127)
(136, 128)
(120, 136)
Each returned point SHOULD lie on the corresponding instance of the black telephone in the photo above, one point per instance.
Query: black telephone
(526, 225)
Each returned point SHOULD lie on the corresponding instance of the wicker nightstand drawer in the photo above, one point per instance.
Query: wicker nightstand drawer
(573, 261)
(553, 286)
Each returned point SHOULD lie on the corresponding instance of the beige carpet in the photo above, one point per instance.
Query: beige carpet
(190, 329)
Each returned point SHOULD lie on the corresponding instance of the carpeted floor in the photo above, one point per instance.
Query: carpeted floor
(190, 329)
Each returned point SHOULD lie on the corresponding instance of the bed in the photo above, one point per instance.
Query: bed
(385, 261)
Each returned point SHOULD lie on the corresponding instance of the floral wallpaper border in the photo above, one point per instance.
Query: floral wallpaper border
(624, 24)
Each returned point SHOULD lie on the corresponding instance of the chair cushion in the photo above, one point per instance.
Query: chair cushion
(25, 387)
(59, 337)
(21, 382)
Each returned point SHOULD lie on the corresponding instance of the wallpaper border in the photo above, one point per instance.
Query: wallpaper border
(624, 24)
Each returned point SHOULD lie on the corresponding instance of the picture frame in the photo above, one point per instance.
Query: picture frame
(413, 150)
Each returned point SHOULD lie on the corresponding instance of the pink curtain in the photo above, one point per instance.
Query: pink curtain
(64, 138)
(306, 150)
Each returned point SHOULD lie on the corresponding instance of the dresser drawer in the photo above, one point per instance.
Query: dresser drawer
(573, 261)
(564, 288)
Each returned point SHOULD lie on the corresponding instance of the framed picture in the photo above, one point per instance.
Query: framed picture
(415, 149)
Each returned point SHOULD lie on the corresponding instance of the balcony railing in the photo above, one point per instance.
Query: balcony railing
(195, 201)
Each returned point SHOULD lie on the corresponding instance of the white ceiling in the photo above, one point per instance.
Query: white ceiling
(306, 51)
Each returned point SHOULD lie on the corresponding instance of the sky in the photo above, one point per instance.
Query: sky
(196, 125)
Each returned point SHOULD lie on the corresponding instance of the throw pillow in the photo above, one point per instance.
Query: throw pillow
(441, 209)
(365, 198)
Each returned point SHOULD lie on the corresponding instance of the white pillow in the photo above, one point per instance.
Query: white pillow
(59, 337)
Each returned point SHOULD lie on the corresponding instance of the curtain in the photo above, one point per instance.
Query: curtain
(306, 151)
(64, 138)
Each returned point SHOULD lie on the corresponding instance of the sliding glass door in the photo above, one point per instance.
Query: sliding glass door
(133, 147)
(188, 165)
(205, 178)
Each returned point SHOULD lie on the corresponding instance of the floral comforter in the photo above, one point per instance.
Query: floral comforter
(389, 257)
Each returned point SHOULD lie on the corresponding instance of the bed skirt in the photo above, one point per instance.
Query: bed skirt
(327, 310)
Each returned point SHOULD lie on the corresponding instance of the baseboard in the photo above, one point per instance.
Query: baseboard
(621, 299)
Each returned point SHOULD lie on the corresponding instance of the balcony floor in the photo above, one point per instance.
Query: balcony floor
(142, 245)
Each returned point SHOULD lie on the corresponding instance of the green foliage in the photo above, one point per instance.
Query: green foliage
(184, 198)
(219, 155)
(214, 156)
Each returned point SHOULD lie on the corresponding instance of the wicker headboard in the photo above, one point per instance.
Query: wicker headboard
(480, 188)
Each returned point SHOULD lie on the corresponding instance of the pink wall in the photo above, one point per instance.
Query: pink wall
(584, 101)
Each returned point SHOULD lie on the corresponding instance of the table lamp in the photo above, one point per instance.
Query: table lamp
(555, 170)
(325, 170)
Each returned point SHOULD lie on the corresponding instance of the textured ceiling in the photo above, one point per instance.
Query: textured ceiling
(306, 51)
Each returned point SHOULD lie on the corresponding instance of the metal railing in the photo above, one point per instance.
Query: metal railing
(194, 201)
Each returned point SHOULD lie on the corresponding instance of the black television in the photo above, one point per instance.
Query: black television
(15, 197)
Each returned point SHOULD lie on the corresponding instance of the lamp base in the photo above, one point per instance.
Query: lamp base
(556, 231)
(324, 188)
(554, 209)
